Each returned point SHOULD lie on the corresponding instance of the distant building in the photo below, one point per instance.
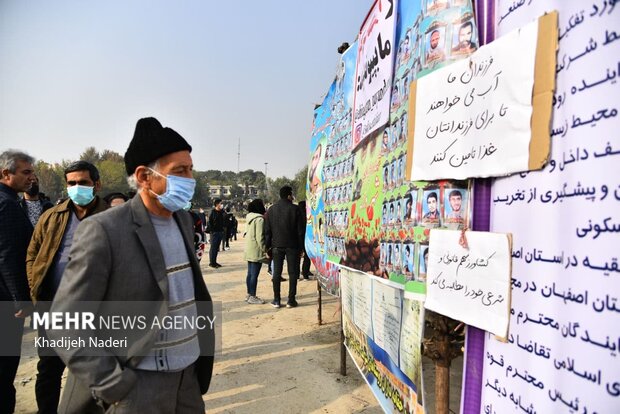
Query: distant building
(226, 191)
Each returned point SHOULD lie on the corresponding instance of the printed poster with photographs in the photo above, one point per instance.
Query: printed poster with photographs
(447, 32)
(410, 209)
(329, 172)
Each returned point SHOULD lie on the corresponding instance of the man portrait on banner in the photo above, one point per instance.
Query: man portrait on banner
(430, 209)
(455, 218)
(435, 46)
(464, 43)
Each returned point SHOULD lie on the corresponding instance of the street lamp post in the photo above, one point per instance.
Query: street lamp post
(266, 182)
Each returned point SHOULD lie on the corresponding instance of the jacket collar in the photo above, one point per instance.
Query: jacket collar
(99, 206)
(150, 242)
(9, 191)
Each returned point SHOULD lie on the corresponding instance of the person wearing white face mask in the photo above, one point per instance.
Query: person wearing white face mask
(142, 252)
(47, 257)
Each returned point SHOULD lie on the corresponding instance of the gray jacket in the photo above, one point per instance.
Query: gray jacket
(116, 256)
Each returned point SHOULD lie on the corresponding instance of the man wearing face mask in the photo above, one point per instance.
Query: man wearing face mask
(141, 252)
(33, 204)
(47, 257)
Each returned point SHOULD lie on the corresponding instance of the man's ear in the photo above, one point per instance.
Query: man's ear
(97, 186)
(143, 176)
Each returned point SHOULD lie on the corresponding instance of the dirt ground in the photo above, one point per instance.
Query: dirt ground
(272, 360)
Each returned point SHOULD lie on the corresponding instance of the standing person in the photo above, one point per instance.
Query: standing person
(284, 235)
(305, 266)
(216, 229)
(16, 175)
(199, 234)
(115, 199)
(34, 203)
(229, 225)
(255, 248)
(141, 252)
(235, 228)
(46, 259)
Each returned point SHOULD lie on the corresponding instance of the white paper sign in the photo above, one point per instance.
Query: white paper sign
(375, 61)
(472, 118)
(470, 285)
(387, 306)
(411, 341)
(362, 302)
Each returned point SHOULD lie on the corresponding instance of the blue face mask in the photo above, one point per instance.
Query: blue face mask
(179, 192)
(81, 194)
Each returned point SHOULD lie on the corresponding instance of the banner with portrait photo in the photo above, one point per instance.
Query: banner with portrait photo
(329, 171)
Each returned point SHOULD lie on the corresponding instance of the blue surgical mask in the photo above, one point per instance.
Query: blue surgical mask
(179, 192)
(81, 195)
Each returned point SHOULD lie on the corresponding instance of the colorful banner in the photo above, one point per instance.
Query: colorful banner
(563, 350)
(330, 179)
(387, 347)
(375, 63)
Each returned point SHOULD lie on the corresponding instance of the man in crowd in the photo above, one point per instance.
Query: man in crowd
(16, 175)
(141, 252)
(33, 203)
(216, 229)
(47, 257)
(284, 235)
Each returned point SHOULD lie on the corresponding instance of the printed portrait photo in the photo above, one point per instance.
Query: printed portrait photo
(408, 256)
(464, 39)
(433, 6)
(455, 208)
(431, 216)
(435, 43)
(422, 262)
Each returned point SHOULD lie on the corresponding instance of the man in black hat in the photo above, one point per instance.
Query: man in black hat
(142, 251)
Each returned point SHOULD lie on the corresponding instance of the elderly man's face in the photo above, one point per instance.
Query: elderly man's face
(177, 163)
(434, 39)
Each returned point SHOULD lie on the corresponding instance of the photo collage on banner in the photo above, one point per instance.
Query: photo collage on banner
(329, 176)
(410, 209)
(447, 32)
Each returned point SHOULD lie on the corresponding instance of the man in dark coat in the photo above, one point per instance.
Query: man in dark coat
(284, 235)
(16, 175)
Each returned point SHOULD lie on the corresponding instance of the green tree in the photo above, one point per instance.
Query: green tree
(50, 181)
(113, 177)
(273, 190)
(202, 196)
(109, 155)
(91, 155)
(299, 183)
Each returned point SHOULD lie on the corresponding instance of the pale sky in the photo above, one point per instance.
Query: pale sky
(75, 74)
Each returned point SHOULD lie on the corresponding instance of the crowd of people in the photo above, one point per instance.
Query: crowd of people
(144, 246)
